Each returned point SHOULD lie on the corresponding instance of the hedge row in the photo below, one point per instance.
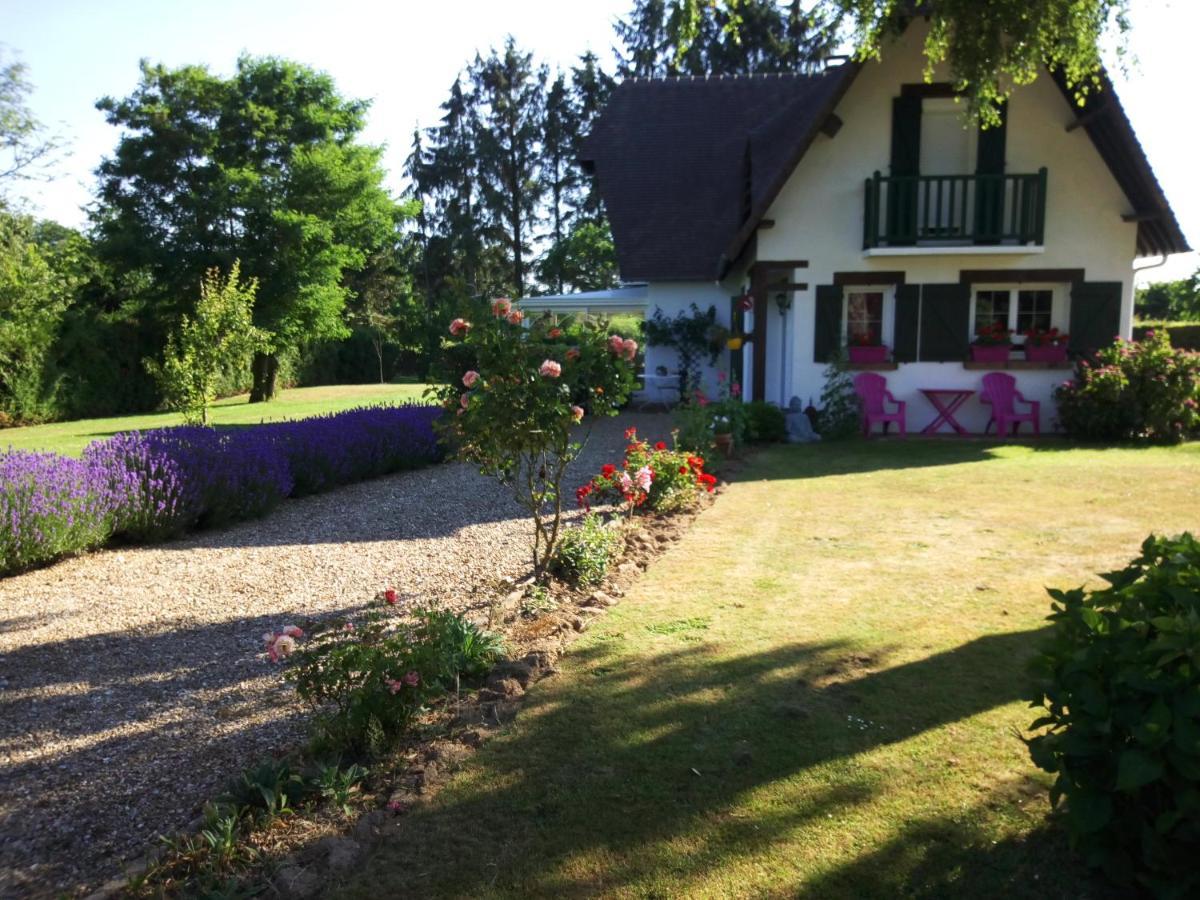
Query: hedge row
(153, 485)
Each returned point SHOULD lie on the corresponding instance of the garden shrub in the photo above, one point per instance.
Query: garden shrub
(840, 407)
(1120, 684)
(514, 415)
(1143, 390)
(586, 551)
(657, 478)
(367, 678)
(51, 506)
(765, 423)
(154, 485)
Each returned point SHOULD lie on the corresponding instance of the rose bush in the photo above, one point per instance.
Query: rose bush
(513, 412)
(1140, 390)
(368, 677)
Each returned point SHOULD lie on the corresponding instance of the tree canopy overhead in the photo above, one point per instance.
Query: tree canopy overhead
(990, 46)
(264, 167)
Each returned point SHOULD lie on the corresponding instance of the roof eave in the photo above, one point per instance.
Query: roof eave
(734, 250)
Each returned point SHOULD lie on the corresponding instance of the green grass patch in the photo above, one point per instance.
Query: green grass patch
(70, 438)
(845, 723)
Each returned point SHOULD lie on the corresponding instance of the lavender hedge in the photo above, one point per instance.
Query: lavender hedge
(153, 485)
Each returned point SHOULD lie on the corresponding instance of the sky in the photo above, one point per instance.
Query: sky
(404, 56)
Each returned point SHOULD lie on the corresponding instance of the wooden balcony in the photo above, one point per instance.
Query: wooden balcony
(954, 210)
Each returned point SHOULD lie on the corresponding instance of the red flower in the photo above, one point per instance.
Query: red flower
(707, 481)
(683, 470)
(582, 494)
(630, 434)
(696, 462)
(661, 445)
(608, 470)
(390, 596)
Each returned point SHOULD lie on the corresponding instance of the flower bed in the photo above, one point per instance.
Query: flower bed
(153, 485)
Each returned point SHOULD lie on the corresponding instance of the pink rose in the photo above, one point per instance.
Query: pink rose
(516, 317)
(573, 354)
(616, 344)
(550, 369)
(394, 686)
(626, 483)
(281, 647)
(644, 478)
(412, 679)
(577, 413)
(459, 327)
(501, 307)
(470, 378)
(464, 400)
(629, 348)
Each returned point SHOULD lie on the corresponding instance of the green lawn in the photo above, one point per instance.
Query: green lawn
(298, 403)
(815, 694)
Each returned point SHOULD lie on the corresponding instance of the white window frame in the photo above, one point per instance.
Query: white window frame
(888, 326)
(1059, 304)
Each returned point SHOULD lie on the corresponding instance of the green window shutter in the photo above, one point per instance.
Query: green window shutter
(1095, 315)
(945, 321)
(906, 160)
(907, 323)
(989, 193)
(827, 336)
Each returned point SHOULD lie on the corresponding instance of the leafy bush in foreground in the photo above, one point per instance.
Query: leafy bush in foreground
(1120, 684)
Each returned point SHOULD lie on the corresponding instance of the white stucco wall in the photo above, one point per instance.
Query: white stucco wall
(674, 297)
(819, 217)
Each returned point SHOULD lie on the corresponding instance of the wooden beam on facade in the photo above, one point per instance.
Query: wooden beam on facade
(1091, 115)
(832, 125)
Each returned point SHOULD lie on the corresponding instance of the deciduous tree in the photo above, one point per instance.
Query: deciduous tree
(264, 167)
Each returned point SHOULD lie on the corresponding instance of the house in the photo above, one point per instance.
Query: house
(856, 202)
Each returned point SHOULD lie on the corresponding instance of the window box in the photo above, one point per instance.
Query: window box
(1047, 353)
(1022, 364)
(876, 354)
(990, 353)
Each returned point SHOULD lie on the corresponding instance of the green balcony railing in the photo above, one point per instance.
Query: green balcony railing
(954, 210)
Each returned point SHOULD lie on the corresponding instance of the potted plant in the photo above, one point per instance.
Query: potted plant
(722, 427)
(1047, 345)
(865, 348)
(992, 343)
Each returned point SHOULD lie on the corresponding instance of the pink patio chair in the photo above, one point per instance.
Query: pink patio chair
(1000, 390)
(872, 392)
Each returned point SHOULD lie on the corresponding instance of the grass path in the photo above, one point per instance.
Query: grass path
(814, 694)
(298, 403)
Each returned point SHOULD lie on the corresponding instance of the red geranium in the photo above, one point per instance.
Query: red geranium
(661, 445)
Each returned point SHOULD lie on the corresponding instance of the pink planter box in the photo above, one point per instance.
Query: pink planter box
(990, 353)
(868, 354)
(1050, 353)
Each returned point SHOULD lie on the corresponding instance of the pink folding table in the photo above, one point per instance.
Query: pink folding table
(947, 402)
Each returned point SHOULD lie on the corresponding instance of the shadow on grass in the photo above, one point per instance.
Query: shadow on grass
(855, 455)
(675, 773)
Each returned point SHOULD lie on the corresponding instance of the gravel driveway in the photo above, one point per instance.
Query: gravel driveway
(131, 688)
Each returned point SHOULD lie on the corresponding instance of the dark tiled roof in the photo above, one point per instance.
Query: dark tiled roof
(683, 162)
(687, 167)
